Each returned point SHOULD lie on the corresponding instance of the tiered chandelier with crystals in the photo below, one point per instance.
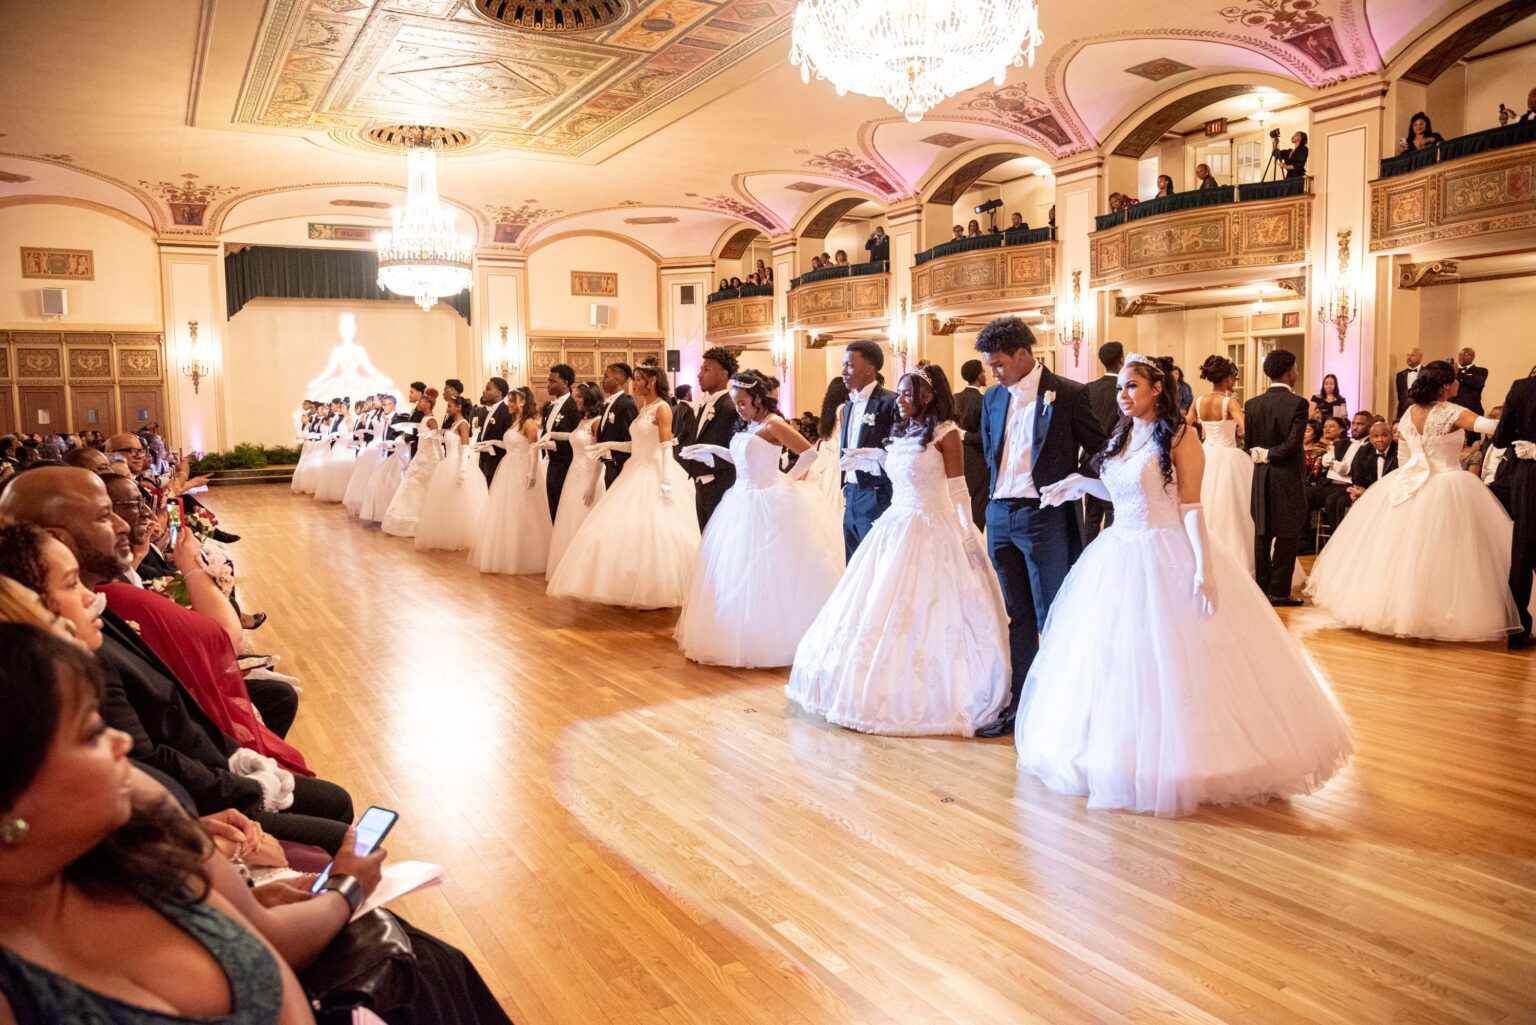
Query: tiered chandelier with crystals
(913, 53)
(423, 256)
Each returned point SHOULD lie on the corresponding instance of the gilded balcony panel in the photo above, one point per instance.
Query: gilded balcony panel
(1257, 233)
(984, 276)
(739, 320)
(841, 302)
(1455, 199)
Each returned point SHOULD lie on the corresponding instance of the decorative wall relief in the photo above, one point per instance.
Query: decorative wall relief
(323, 232)
(599, 283)
(90, 363)
(847, 164)
(1015, 107)
(1298, 24)
(188, 200)
(70, 264)
(38, 363)
(142, 363)
(511, 221)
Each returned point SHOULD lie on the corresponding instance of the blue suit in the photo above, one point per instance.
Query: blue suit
(1033, 548)
(866, 495)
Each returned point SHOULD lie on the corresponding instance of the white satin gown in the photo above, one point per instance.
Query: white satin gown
(581, 491)
(515, 529)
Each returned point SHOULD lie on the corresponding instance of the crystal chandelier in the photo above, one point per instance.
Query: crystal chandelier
(423, 257)
(913, 53)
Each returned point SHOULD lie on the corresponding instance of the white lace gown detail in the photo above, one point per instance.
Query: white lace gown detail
(404, 513)
(769, 560)
(515, 530)
(1226, 491)
(1138, 701)
(584, 476)
(1425, 551)
(913, 641)
(638, 544)
(456, 495)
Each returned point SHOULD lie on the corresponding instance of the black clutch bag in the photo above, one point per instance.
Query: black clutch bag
(369, 964)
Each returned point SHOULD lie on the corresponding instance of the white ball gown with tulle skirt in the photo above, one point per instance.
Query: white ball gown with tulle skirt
(638, 544)
(913, 641)
(769, 560)
(311, 458)
(456, 493)
(1139, 701)
(404, 513)
(826, 478)
(1226, 491)
(581, 491)
(368, 462)
(515, 529)
(1425, 551)
(386, 480)
(336, 474)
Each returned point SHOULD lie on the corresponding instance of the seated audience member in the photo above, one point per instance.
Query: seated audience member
(90, 459)
(1331, 494)
(973, 229)
(957, 234)
(841, 260)
(1312, 453)
(1017, 222)
(1374, 461)
(878, 245)
(1506, 115)
(1420, 135)
(1206, 179)
(171, 731)
(1164, 185)
(1360, 425)
(128, 502)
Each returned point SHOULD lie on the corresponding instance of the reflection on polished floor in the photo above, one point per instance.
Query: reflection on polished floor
(630, 838)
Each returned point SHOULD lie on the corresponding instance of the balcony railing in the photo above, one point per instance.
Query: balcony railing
(971, 279)
(1485, 193)
(844, 270)
(1503, 137)
(1248, 229)
(742, 319)
(744, 292)
(850, 300)
(1196, 199)
(990, 240)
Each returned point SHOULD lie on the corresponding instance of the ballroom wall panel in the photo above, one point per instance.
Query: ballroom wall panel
(275, 347)
(125, 292)
(554, 310)
(1494, 317)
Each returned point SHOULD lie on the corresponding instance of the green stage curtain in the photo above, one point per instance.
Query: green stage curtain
(284, 272)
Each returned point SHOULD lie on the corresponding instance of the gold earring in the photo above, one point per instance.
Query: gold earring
(13, 830)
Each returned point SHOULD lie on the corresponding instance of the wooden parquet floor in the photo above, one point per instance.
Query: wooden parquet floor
(631, 838)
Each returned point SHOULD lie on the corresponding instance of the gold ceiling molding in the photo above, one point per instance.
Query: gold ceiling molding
(82, 204)
(596, 233)
(1417, 275)
(555, 16)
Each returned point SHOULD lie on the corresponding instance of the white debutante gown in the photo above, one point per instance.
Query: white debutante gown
(387, 479)
(638, 544)
(311, 459)
(585, 474)
(826, 477)
(404, 513)
(765, 568)
(456, 493)
(1425, 551)
(914, 639)
(368, 463)
(514, 531)
(1226, 490)
(336, 474)
(1137, 700)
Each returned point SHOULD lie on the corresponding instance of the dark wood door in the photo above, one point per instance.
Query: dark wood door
(7, 411)
(92, 409)
(142, 406)
(43, 410)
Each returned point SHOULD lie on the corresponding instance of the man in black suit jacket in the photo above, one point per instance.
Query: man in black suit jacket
(1517, 434)
(1405, 378)
(1470, 382)
(560, 417)
(1274, 425)
(968, 402)
(1097, 513)
(685, 419)
(618, 413)
(867, 421)
(1376, 459)
(1036, 428)
(715, 425)
(494, 426)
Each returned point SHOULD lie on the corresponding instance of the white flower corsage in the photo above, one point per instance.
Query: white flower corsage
(869, 419)
(608, 419)
(1049, 398)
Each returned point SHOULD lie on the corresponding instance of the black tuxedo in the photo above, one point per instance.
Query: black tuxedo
(1032, 547)
(614, 426)
(1401, 385)
(716, 424)
(1471, 380)
(494, 428)
(866, 495)
(1363, 473)
(1097, 513)
(563, 422)
(684, 421)
(1519, 477)
(1276, 420)
(968, 402)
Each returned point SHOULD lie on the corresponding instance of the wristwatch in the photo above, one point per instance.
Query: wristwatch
(348, 887)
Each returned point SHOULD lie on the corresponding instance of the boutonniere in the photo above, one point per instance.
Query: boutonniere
(608, 419)
(869, 419)
(1047, 399)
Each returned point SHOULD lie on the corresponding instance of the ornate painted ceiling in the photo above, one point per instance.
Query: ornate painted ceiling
(674, 122)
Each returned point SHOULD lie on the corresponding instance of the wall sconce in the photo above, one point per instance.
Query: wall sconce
(1340, 304)
(778, 349)
(505, 366)
(903, 336)
(194, 363)
(1069, 320)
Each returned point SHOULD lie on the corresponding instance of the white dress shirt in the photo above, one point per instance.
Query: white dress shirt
(706, 403)
(857, 401)
(1413, 375)
(1339, 469)
(490, 414)
(554, 411)
(1016, 467)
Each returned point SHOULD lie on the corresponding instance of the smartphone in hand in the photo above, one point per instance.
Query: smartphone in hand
(372, 828)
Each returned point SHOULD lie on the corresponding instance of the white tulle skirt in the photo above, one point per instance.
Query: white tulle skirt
(1434, 567)
(1226, 491)
(337, 472)
(573, 508)
(636, 548)
(311, 458)
(1138, 701)
(769, 561)
(456, 494)
(404, 513)
(914, 639)
(386, 481)
(368, 465)
(827, 479)
(515, 529)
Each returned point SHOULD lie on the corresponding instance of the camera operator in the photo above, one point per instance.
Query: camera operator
(1293, 160)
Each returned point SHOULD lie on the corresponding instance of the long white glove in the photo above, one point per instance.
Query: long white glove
(603, 449)
(706, 454)
(1204, 588)
(1484, 425)
(544, 444)
(865, 460)
(1070, 488)
(1524, 449)
(804, 463)
(1260, 455)
(960, 500)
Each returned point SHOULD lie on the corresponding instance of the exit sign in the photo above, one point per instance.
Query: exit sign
(1216, 126)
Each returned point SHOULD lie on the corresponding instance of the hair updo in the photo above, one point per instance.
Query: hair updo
(1432, 378)
(759, 387)
(1217, 369)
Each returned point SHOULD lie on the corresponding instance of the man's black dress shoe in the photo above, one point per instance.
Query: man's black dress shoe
(1001, 728)
(224, 537)
(1285, 603)
(1519, 642)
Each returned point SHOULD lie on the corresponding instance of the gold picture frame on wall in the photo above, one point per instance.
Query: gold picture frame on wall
(603, 284)
(69, 264)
